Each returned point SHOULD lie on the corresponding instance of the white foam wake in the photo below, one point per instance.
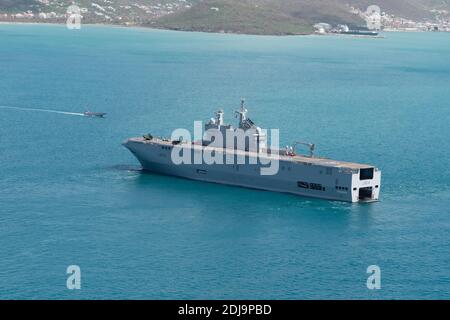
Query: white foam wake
(44, 110)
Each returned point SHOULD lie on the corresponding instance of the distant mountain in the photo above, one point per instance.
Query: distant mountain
(288, 16)
(259, 17)
(237, 16)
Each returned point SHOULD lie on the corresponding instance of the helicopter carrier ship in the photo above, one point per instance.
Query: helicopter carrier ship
(303, 175)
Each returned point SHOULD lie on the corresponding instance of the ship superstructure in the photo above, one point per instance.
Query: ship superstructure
(304, 175)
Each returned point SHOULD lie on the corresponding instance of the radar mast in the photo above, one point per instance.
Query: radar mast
(242, 113)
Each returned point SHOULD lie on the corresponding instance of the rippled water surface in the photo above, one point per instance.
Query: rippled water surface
(71, 194)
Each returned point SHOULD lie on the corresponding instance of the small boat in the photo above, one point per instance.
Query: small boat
(94, 114)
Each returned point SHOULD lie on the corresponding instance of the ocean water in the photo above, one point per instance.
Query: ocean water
(70, 194)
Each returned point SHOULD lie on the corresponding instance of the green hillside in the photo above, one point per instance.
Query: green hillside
(275, 17)
(258, 17)
(288, 16)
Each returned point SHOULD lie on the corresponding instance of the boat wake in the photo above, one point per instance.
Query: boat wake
(125, 167)
(44, 110)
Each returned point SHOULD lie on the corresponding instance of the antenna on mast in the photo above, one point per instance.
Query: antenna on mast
(242, 104)
(242, 113)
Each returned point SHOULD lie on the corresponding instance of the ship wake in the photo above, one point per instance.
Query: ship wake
(44, 110)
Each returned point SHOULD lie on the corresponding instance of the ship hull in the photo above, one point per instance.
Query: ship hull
(303, 179)
(361, 33)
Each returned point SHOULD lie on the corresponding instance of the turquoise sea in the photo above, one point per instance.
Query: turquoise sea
(70, 194)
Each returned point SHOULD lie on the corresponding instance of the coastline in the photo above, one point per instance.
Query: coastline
(149, 28)
(144, 27)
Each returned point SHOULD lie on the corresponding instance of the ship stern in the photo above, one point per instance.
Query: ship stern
(366, 185)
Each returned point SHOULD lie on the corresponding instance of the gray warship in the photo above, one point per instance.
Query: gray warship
(304, 175)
